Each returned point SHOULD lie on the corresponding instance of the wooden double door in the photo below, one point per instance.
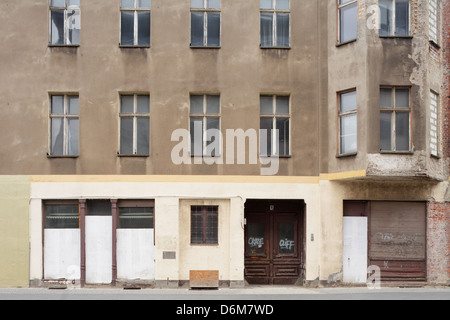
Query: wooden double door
(274, 242)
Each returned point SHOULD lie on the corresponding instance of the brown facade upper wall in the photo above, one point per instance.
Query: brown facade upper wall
(99, 70)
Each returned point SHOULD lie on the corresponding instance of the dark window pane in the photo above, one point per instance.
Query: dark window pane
(196, 105)
(143, 135)
(197, 28)
(402, 17)
(127, 104)
(402, 98)
(61, 217)
(265, 136)
(212, 139)
(196, 225)
(286, 238)
(282, 105)
(126, 135)
(255, 242)
(135, 218)
(402, 131)
(385, 17)
(266, 30)
(196, 130)
(57, 28)
(283, 136)
(57, 138)
(144, 28)
(266, 105)
(283, 29)
(212, 225)
(213, 29)
(127, 31)
(386, 98)
(212, 104)
(348, 22)
(386, 131)
(99, 207)
(143, 104)
(57, 104)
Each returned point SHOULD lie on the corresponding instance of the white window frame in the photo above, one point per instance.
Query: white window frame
(434, 21)
(66, 8)
(274, 11)
(135, 115)
(393, 21)
(343, 114)
(341, 6)
(205, 116)
(205, 10)
(434, 124)
(394, 110)
(65, 116)
(275, 146)
(135, 10)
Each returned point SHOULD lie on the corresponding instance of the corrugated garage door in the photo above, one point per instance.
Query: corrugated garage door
(398, 239)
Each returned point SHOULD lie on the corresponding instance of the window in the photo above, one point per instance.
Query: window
(433, 18)
(136, 217)
(205, 23)
(135, 124)
(434, 123)
(348, 16)
(65, 22)
(274, 125)
(395, 119)
(62, 216)
(64, 125)
(204, 123)
(135, 23)
(394, 17)
(275, 23)
(204, 224)
(347, 122)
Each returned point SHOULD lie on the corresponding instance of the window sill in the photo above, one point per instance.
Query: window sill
(346, 155)
(133, 155)
(340, 44)
(205, 47)
(276, 48)
(434, 44)
(63, 45)
(397, 152)
(399, 37)
(50, 156)
(134, 47)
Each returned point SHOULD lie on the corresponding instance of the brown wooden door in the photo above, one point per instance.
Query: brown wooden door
(273, 251)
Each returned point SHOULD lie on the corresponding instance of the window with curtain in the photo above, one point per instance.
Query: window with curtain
(64, 125)
(347, 122)
(275, 23)
(135, 124)
(348, 16)
(205, 23)
(395, 113)
(394, 17)
(135, 18)
(65, 22)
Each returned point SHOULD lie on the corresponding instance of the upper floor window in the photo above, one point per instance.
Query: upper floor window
(275, 23)
(204, 124)
(135, 125)
(433, 18)
(434, 123)
(64, 125)
(135, 20)
(394, 17)
(395, 113)
(348, 16)
(65, 22)
(274, 125)
(347, 122)
(205, 23)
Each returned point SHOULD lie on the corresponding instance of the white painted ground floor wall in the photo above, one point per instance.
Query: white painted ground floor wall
(324, 241)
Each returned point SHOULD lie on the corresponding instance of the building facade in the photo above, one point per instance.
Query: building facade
(208, 142)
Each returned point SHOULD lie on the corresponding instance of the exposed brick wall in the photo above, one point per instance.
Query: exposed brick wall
(438, 242)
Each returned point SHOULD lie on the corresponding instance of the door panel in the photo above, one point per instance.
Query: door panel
(273, 236)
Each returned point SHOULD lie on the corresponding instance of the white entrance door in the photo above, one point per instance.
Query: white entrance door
(355, 250)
